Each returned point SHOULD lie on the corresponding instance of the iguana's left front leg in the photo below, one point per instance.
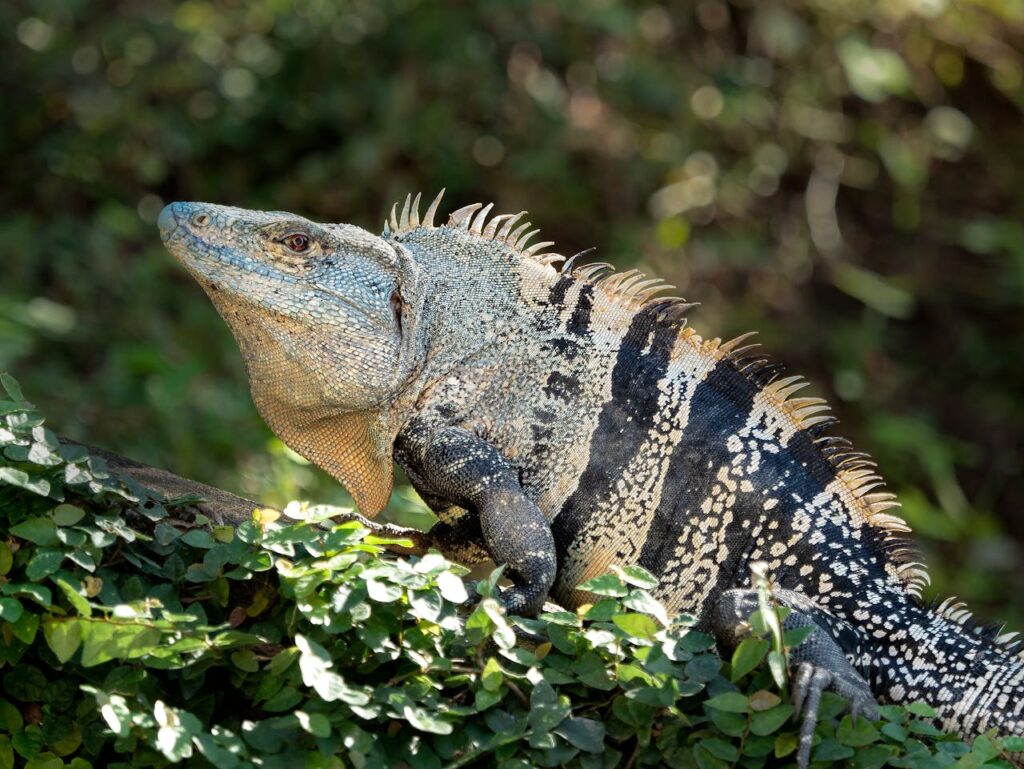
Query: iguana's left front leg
(467, 471)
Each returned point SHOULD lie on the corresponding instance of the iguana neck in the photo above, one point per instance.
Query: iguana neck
(351, 441)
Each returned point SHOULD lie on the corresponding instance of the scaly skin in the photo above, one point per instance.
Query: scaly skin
(561, 423)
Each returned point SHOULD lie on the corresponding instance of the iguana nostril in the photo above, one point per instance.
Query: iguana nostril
(166, 222)
(200, 219)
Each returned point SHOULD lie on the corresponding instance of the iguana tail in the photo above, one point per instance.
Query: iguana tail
(971, 675)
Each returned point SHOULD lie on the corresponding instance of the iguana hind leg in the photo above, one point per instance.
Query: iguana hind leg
(819, 662)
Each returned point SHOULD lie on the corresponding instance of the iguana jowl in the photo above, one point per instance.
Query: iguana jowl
(564, 420)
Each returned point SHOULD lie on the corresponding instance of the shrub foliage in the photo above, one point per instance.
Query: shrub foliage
(134, 633)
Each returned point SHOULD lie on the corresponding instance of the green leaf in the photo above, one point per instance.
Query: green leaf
(777, 665)
(864, 733)
(67, 515)
(10, 609)
(768, 721)
(198, 538)
(785, 744)
(452, 587)
(23, 480)
(6, 752)
(38, 593)
(24, 628)
(6, 559)
(44, 761)
(592, 671)
(830, 750)
(563, 618)
(39, 454)
(11, 719)
(40, 530)
(29, 742)
(316, 724)
(627, 672)
(983, 749)
(491, 677)
(63, 637)
(175, 733)
(483, 699)
(924, 727)
(707, 760)
(1011, 744)
(872, 757)
(636, 576)
(748, 655)
(75, 598)
(895, 732)
(245, 659)
(695, 641)
(44, 562)
(372, 539)
(603, 610)
(11, 407)
(315, 666)
(607, 584)
(74, 539)
(583, 733)
(720, 749)
(331, 686)
(425, 721)
(26, 683)
(12, 387)
(105, 641)
(703, 668)
(796, 636)
(636, 625)
(547, 708)
(165, 533)
(921, 709)
(643, 602)
(285, 698)
(114, 709)
(383, 592)
(730, 702)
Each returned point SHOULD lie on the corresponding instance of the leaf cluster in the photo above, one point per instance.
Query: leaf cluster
(132, 637)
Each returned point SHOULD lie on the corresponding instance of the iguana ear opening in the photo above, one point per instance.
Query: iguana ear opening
(356, 451)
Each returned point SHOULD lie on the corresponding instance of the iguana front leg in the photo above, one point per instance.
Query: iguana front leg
(456, 466)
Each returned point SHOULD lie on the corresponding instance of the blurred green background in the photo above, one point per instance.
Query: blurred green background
(844, 177)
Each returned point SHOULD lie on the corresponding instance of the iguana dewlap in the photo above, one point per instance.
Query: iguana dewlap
(564, 420)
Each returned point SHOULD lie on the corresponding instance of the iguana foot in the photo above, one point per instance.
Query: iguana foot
(818, 662)
(809, 681)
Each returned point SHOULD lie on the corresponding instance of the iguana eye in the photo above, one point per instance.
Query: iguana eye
(297, 242)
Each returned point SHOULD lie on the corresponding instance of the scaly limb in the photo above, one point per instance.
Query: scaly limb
(818, 662)
(456, 466)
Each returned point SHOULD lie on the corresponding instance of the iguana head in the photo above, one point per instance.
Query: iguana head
(318, 311)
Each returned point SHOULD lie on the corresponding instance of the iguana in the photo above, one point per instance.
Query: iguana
(562, 420)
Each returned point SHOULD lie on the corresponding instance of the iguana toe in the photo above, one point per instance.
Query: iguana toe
(808, 685)
(809, 682)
